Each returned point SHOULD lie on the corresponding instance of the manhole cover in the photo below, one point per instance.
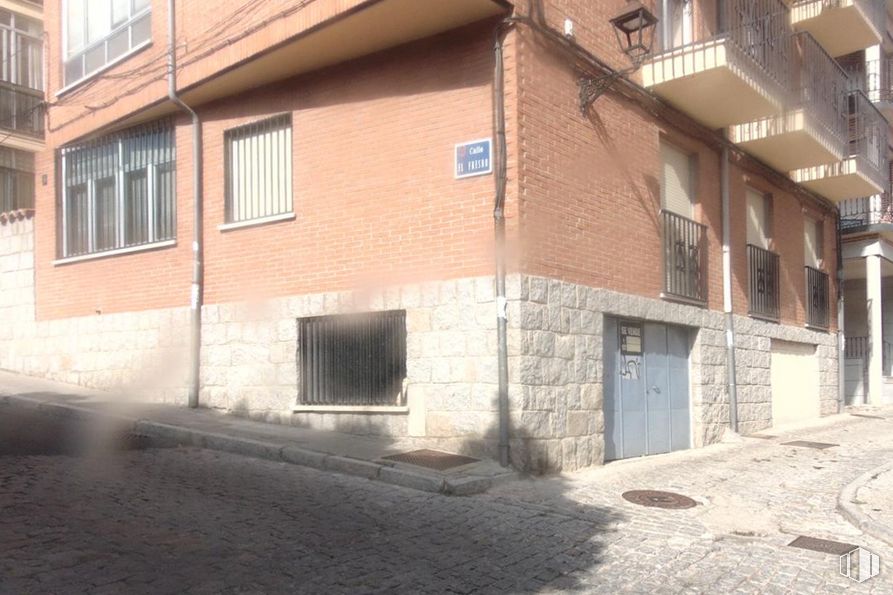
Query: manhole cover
(826, 546)
(432, 459)
(808, 444)
(656, 499)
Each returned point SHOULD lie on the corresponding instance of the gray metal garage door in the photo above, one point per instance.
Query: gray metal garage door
(647, 404)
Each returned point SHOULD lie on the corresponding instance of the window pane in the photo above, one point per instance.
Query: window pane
(136, 205)
(164, 211)
(106, 215)
(5, 17)
(141, 30)
(99, 19)
(139, 5)
(74, 69)
(75, 25)
(29, 60)
(76, 220)
(120, 12)
(119, 44)
(95, 58)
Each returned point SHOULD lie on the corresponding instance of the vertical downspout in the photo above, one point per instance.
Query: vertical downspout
(196, 293)
(499, 232)
(841, 335)
(727, 290)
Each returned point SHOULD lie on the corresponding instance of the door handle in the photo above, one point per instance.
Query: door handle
(655, 389)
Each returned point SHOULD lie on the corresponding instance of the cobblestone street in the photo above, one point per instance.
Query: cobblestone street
(178, 520)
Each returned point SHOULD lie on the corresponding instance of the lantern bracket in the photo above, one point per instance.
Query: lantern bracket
(591, 88)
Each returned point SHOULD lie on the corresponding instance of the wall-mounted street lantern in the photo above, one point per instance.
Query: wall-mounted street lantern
(634, 27)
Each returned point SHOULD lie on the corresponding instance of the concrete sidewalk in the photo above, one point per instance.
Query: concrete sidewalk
(360, 456)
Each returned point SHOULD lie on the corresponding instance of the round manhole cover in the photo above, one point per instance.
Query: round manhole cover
(656, 499)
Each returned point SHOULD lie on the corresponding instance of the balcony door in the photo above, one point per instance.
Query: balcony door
(677, 28)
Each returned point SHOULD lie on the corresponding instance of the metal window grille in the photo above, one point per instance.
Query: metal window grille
(16, 180)
(685, 258)
(817, 301)
(762, 266)
(258, 168)
(354, 359)
(118, 191)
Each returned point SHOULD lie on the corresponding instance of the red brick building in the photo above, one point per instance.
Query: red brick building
(329, 190)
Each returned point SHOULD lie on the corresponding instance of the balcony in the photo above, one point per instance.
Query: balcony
(21, 112)
(863, 171)
(867, 214)
(762, 282)
(736, 75)
(841, 26)
(874, 77)
(818, 309)
(812, 130)
(685, 258)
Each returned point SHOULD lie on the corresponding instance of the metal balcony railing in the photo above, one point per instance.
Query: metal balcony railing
(762, 281)
(857, 214)
(685, 258)
(21, 110)
(867, 133)
(758, 31)
(818, 313)
(873, 77)
(820, 86)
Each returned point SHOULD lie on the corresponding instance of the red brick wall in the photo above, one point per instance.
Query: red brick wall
(374, 193)
(590, 187)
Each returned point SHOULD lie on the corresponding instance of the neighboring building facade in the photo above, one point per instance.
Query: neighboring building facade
(21, 104)
(331, 191)
(867, 247)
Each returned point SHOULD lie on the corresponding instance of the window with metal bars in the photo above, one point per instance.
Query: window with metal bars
(258, 167)
(118, 191)
(16, 180)
(353, 359)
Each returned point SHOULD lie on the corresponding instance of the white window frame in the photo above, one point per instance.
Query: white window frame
(81, 53)
(282, 172)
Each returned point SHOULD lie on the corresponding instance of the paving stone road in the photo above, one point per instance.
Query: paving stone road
(185, 520)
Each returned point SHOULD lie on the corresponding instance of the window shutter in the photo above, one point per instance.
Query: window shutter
(812, 242)
(757, 226)
(676, 183)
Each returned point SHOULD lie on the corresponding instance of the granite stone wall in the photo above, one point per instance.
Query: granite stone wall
(250, 356)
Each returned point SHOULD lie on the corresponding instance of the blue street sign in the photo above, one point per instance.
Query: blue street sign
(474, 158)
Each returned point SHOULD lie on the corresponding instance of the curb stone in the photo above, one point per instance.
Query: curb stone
(846, 505)
(272, 451)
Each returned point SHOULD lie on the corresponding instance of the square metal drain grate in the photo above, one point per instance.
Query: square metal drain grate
(808, 444)
(825, 546)
(432, 459)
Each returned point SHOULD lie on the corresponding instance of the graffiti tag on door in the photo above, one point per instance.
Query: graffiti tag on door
(630, 350)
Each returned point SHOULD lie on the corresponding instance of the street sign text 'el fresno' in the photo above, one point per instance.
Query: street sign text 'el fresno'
(474, 158)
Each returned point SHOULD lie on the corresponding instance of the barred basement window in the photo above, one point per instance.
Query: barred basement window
(258, 164)
(118, 191)
(16, 180)
(353, 359)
